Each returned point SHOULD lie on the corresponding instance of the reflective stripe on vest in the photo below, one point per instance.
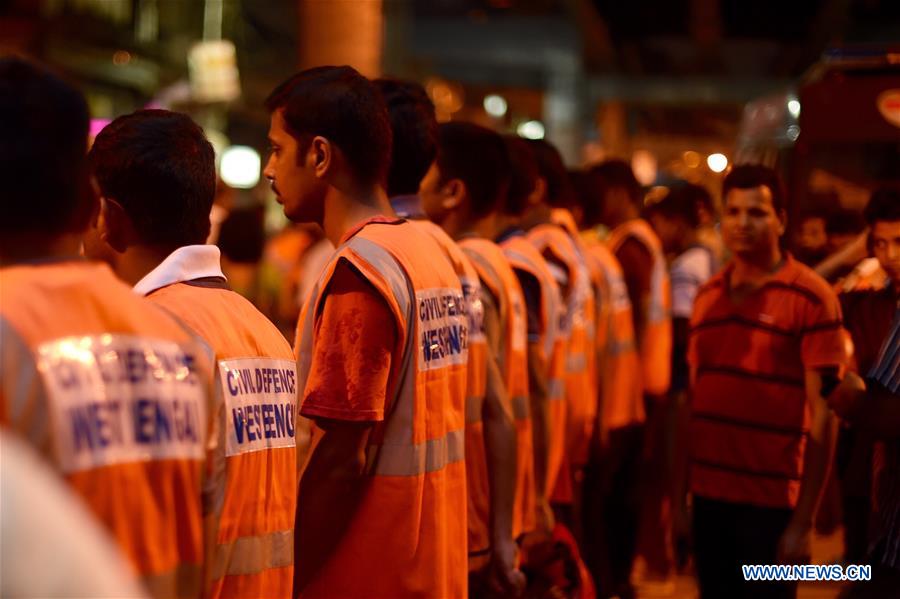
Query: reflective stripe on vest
(656, 345)
(255, 455)
(496, 274)
(251, 555)
(623, 402)
(401, 541)
(98, 381)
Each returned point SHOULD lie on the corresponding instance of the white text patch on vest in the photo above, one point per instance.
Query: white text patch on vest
(443, 328)
(117, 399)
(260, 399)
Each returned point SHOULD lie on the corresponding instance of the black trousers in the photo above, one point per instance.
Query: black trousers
(610, 511)
(730, 535)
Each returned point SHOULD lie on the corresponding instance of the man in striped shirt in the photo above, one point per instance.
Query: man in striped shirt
(873, 406)
(766, 347)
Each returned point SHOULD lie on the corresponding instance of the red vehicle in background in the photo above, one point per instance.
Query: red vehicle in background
(836, 133)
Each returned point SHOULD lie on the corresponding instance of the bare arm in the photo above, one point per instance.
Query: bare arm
(795, 544)
(330, 492)
(499, 437)
(540, 425)
(871, 408)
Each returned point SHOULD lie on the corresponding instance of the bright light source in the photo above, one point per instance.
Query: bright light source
(495, 105)
(531, 130)
(240, 167)
(794, 108)
(793, 132)
(717, 162)
(643, 163)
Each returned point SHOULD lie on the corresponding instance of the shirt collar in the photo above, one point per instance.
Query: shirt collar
(360, 225)
(408, 206)
(184, 264)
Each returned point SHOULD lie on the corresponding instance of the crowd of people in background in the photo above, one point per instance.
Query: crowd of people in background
(461, 370)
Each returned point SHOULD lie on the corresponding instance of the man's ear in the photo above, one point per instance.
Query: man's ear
(782, 220)
(453, 192)
(320, 155)
(538, 193)
(116, 228)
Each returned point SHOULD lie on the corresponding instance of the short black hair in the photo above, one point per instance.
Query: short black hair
(161, 168)
(475, 155)
(525, 173)
(884, 205)
(553, 170)
(344, 107)
(43, 145)
(602, 178)
(414, 128)
(843, 221)
(683, 202)
(748, 176)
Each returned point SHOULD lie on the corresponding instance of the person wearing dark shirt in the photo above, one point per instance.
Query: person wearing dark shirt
(873, 319)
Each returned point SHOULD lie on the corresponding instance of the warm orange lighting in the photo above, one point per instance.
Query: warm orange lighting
(691, 159)
(121, 57)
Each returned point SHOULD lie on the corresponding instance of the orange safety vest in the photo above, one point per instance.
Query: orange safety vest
(499, 277)
(656, 345)
(408, 537)
(477, 483)
(581, 385)
(252, 498)
(522, 255)
(116, 394)
(620, 365)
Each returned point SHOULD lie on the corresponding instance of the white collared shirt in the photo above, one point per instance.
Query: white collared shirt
(184, 264)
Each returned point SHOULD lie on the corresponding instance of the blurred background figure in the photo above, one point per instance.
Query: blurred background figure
(53, 546)
(868, 313)
(811, 240)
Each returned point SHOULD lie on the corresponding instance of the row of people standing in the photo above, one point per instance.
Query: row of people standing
(452, 378)
(438, 373)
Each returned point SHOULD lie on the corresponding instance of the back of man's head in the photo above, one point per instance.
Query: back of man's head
(602, 180)
(748, 176)
(159, 166)
(342, 106)
(525, 175)
(476, 156)
(414, 127)
(679, 204)
(554, 173)
(43, 141)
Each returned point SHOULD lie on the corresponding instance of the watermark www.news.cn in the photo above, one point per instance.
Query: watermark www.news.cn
(807, 573)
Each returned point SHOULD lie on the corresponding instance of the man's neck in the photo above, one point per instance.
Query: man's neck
(688, 241)
(486, 227)
(343, 210)
(539, 214)
(629, 214)
(22, 248)
(137, 261)
(753, 270)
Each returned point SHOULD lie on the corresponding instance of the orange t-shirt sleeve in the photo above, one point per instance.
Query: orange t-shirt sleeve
(353, 347)
(824, 342)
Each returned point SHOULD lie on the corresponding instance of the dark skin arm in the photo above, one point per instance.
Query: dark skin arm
(540, 428)
(795, 543)
(870, 408)
(637, 266)
(330, 491)
(500, 443)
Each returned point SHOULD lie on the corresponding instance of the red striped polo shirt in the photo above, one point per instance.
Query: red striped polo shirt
(750, 418)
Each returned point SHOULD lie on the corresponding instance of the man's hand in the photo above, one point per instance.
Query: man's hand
(844, 400)
(795, 545)
(506, 580)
